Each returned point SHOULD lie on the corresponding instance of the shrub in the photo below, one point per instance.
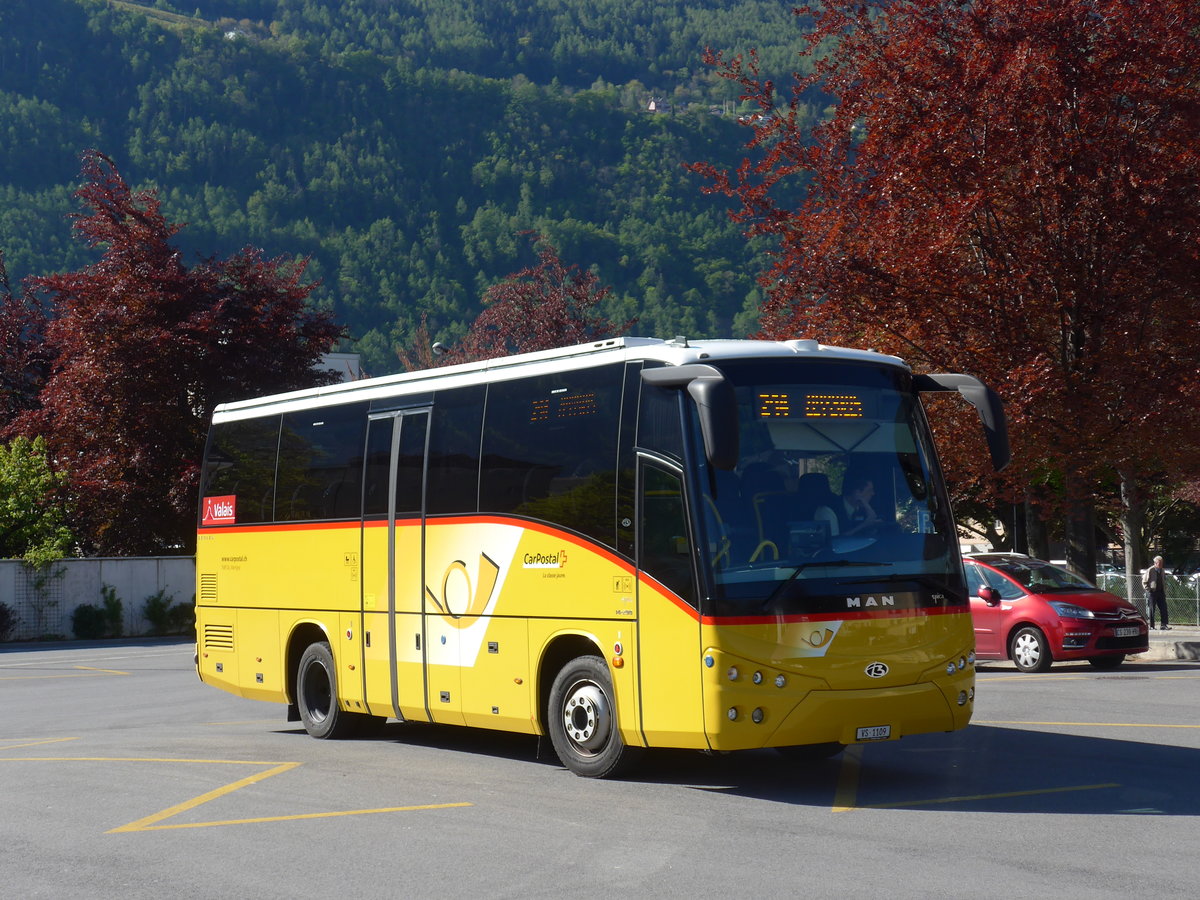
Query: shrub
(165, 617)
(114, 619)
(8, 621)
(88, 622)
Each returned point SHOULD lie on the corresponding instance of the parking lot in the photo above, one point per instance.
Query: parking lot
(122, 776)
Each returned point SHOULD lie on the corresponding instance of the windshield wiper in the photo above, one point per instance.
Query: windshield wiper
(832, 563)
(924, 578)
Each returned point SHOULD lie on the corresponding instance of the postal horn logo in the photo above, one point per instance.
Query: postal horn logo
(461, 601)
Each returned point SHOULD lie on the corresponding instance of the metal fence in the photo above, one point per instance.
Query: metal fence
(43, 603)
(1183, 596)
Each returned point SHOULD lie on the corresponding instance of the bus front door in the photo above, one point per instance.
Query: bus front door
(406, 576)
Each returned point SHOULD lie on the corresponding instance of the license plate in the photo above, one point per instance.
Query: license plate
(874, 733)
(1126, 631)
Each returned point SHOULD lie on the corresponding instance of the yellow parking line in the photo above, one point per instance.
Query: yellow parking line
(975, 797)
(847, 786)
(87, 672)
(134, 826)
(151, 823)
(26, 742)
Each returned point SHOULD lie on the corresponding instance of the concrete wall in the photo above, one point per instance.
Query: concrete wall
(45, 603)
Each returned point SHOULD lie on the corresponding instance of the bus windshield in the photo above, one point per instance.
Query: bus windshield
(836, 501)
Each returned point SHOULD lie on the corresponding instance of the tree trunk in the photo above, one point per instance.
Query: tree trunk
(1037, 541)
(1080, 528)
(1133, 525)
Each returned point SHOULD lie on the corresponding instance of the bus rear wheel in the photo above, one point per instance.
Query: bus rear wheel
(316, 695)
(582, 720)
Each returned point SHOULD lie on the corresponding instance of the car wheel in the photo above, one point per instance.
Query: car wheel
(1029, 650)
(1107, 662)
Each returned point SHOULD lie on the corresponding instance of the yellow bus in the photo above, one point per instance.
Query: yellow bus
(636, 543)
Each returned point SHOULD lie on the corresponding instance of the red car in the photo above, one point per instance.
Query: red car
(1034, 613)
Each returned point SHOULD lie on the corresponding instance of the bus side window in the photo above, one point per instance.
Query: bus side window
(666, 550)
(453, 465)
(241, 463)
(377, 471)
(659, 428)
(320, 464)
(550, 449)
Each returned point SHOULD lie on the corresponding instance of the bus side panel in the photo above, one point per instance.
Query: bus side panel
(485, 578)
(670, 670)
(309, 567)
(249, 575)
(348, 656)
(605, 637)
(496, 690)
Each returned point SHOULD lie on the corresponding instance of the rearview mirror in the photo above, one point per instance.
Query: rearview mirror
(989, 595)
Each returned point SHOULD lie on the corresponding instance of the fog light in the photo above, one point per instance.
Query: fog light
(757, 716)
(962, 698)
(950, 668)
(733, 673)
(780, 681)
(756, 677)
(733, 714)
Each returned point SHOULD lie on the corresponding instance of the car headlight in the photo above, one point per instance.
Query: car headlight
(1070, 610)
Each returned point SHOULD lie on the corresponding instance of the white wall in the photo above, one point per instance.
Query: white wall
(45, 610)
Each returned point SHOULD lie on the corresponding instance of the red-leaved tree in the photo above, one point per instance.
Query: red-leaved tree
(143, 348)
(23, 355)
(1009, 188)
(540, 307)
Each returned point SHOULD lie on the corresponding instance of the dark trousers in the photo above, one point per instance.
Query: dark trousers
(1157, 599)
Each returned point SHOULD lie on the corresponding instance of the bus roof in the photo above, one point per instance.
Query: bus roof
(677, 351)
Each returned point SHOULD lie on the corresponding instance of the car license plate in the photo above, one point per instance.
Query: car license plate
(1126, 631)
(874, 733)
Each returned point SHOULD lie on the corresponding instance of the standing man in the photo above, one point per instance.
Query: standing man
(1156, 592)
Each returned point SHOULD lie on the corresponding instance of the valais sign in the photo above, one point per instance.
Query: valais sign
(219, 510)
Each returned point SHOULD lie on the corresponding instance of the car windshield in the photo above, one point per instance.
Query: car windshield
(1040, 577)
(835, 501)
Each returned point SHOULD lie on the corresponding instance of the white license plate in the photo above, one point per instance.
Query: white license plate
(874, 733)
(1126, 631)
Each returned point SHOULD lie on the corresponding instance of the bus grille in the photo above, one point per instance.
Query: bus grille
(208, 588)
(218, 637)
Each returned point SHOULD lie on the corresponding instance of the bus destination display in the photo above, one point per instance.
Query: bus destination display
(810, 405)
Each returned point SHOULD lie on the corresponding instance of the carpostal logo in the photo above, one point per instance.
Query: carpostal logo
(219, 510)
(544, 560)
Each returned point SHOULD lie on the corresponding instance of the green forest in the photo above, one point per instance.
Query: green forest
(403, 145)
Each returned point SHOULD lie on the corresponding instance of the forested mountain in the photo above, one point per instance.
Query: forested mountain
(403, 144)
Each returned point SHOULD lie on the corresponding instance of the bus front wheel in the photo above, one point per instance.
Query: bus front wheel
(316, 694)
(583, 723)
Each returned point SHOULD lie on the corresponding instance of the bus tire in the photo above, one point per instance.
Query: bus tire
(316, 695)
(582, 720)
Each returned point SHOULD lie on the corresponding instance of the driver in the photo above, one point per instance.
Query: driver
(855, 514)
